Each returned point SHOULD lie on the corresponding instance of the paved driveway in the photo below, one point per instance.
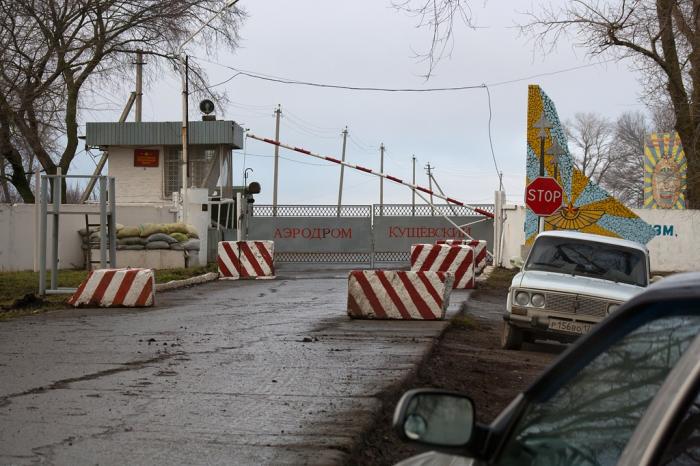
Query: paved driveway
(254, 372)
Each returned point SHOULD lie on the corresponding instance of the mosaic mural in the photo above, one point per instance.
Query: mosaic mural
(664, 172)
(587, 207)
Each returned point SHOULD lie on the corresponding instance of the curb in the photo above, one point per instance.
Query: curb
(175, 284)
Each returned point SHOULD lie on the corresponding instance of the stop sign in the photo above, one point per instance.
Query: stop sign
(544, 196)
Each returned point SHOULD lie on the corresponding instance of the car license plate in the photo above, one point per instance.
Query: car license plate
(569, 326)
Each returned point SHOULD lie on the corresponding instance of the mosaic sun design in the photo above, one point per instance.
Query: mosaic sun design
(587, 207)
(665, 170)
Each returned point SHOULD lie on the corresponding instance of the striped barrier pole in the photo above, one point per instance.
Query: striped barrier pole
(416, 187)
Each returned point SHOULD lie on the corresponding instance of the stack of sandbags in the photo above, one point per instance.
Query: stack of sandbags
(176, 236)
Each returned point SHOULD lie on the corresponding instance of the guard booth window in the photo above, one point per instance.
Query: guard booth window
(201, 158)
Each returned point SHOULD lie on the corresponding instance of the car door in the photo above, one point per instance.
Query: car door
(585, 415)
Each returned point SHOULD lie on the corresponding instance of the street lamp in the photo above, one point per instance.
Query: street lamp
(179, 55)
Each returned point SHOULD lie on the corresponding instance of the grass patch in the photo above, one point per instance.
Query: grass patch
(18, 290)
(462, 321)
(500, 278)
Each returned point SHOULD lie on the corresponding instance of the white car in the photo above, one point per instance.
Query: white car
(570, 282)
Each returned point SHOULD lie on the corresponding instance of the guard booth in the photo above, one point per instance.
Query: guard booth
(145, 159)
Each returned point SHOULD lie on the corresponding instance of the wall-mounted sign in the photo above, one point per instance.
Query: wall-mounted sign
(146, 157)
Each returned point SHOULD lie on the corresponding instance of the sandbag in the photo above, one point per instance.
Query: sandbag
(161, 237)
(192, 232)
(128, 232)
(176, 228)
(191, 245)
(133, 247)
(158, 245)
(177, 246)
(179, 237)
(131, 240)
(148, 229)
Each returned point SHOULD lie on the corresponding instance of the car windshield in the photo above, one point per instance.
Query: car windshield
(588, 258)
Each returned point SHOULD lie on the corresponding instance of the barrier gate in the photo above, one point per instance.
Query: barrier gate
(361, 234)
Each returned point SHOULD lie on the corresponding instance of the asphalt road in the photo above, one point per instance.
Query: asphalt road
(254, 372)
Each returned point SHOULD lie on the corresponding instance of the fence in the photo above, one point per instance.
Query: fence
(360, 233)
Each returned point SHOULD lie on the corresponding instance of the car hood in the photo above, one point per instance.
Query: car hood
(552, 281)
(433, 458)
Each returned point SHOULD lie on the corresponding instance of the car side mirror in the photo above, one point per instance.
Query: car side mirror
(435, 417)
(517, 262)
(656, 278)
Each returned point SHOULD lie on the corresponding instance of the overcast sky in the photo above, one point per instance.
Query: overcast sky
(367, 43)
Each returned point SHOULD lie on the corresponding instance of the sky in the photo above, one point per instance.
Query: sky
(367, 43)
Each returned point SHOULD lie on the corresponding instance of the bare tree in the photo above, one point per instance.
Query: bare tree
(626, 174)
(439, 17)
(663, 39)
(590, 138)
(52, 51)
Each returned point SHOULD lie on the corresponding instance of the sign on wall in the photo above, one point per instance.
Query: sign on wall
(147, 158)
(314, 234)
(665, 169)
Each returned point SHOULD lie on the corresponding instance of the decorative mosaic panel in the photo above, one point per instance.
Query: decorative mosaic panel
(587, 207)
(665, 170)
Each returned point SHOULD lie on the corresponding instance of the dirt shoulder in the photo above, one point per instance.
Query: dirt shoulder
(468, 359)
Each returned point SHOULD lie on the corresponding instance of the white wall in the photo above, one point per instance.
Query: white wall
(18, 232)
(136, 184)
(676, 248)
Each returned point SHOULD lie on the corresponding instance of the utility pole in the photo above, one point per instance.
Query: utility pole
(342, 169)
(278, 113)
(454, 211)
(185, 138)
(381, 179)
(139, 85)
(429, 171)
(413, 191)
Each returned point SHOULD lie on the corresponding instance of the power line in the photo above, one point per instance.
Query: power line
(290, 159)
(283, 80)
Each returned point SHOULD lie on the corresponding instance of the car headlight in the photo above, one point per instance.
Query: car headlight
(522, 298)
(537, 300)
(612, 308)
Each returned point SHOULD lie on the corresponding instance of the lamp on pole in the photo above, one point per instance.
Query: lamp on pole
(542, 124)
(182, 58)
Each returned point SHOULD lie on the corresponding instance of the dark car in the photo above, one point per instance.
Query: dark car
(628, 393)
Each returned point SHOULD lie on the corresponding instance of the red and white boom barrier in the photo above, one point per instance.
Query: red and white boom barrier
(458, 260)
(372, 172)
(479, 247)
(116, 288)
(246, 259)
(395, 294)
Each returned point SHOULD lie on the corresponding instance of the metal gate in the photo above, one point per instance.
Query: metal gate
(361, 234)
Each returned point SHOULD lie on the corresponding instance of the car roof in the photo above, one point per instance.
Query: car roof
(591, 237)
(680, 287)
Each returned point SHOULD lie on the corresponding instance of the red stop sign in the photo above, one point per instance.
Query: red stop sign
(544, 196)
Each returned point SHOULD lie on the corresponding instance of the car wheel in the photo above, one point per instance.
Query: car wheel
(511, 337)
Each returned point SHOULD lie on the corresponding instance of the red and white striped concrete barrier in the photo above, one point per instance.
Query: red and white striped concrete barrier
(396, 294)
(246, 259)
(116, 288)
(458, 260)
(479, 247)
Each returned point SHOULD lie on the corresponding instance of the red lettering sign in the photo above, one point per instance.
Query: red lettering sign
(146, 158)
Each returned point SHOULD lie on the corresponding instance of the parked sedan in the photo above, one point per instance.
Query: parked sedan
(628, 393)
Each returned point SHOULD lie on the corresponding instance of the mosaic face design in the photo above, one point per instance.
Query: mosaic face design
(587, 207)
(664, 172)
